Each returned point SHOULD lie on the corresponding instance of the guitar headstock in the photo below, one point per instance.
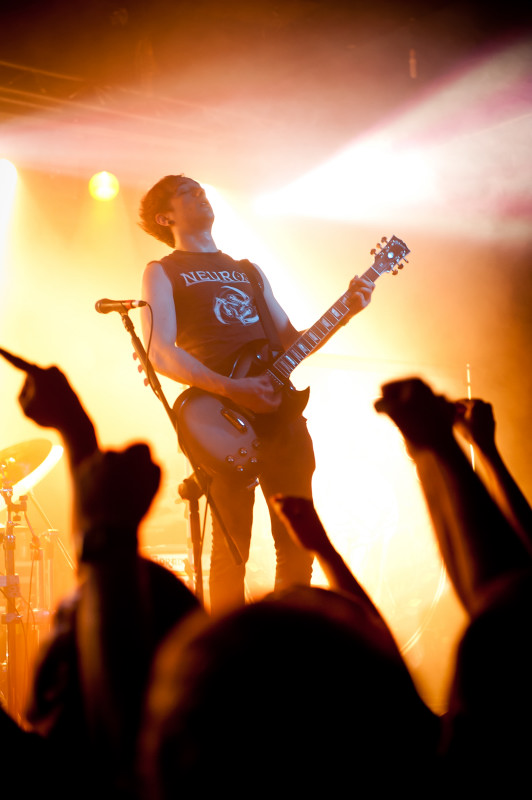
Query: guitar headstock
(389, 255)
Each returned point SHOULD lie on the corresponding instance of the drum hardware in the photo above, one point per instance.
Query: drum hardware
(26, 607)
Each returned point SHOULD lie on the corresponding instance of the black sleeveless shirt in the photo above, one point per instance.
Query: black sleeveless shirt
(215, 306)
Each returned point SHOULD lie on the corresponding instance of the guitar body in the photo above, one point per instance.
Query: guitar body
(225, 439)
(254, 360)
(217, 436)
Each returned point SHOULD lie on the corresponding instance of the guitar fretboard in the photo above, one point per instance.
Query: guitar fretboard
(336, 316)
(327, 324)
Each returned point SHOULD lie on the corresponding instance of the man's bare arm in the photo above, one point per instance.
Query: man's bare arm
(256, 393)
(478, 546)
(476, 423)
(305, 527)
(48, 399)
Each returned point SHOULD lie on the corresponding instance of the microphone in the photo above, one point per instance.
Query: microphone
(123, 306)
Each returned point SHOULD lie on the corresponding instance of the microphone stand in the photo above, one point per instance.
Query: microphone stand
(198, 483)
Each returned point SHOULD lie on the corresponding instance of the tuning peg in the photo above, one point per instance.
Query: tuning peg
(394, 272)
(400, 266)
(372, 251)
(406, 260)
(146, 381)
(139, 368)
(384, 239)
(135, 356)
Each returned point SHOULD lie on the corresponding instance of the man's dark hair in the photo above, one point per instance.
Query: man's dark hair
(156, 202)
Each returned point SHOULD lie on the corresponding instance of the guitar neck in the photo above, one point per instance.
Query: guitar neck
(334, 318)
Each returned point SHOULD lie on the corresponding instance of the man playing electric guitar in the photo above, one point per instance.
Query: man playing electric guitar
(204, 313)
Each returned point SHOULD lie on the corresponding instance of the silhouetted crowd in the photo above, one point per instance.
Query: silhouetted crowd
(140, 694)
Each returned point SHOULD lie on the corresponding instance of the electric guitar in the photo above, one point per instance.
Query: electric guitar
(221, 438)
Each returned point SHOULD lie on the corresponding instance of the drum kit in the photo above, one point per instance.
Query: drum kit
(26, 574)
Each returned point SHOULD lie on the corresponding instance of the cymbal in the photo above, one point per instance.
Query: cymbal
(20, 460)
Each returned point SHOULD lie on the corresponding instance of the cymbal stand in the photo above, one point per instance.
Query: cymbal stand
(10, 584)
(198, 481)
(46, 545)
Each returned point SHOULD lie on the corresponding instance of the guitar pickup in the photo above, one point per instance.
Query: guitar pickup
(234, 418)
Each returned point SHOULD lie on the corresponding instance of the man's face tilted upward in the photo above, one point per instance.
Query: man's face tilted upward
(189, 208)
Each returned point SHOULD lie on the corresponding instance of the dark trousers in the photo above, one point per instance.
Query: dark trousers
(287, 459)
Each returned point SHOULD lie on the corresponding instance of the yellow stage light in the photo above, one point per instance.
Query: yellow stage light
(8, 181)
(104, 186)
(8, 172)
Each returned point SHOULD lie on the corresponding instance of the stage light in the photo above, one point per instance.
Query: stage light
(8, 180)
(8, 173)
(104, 186)
(368, 180)
(448, 160)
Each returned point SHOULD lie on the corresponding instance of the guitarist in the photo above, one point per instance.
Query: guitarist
(204, 313)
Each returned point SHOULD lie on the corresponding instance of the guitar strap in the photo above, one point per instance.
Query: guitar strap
(262, 307)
